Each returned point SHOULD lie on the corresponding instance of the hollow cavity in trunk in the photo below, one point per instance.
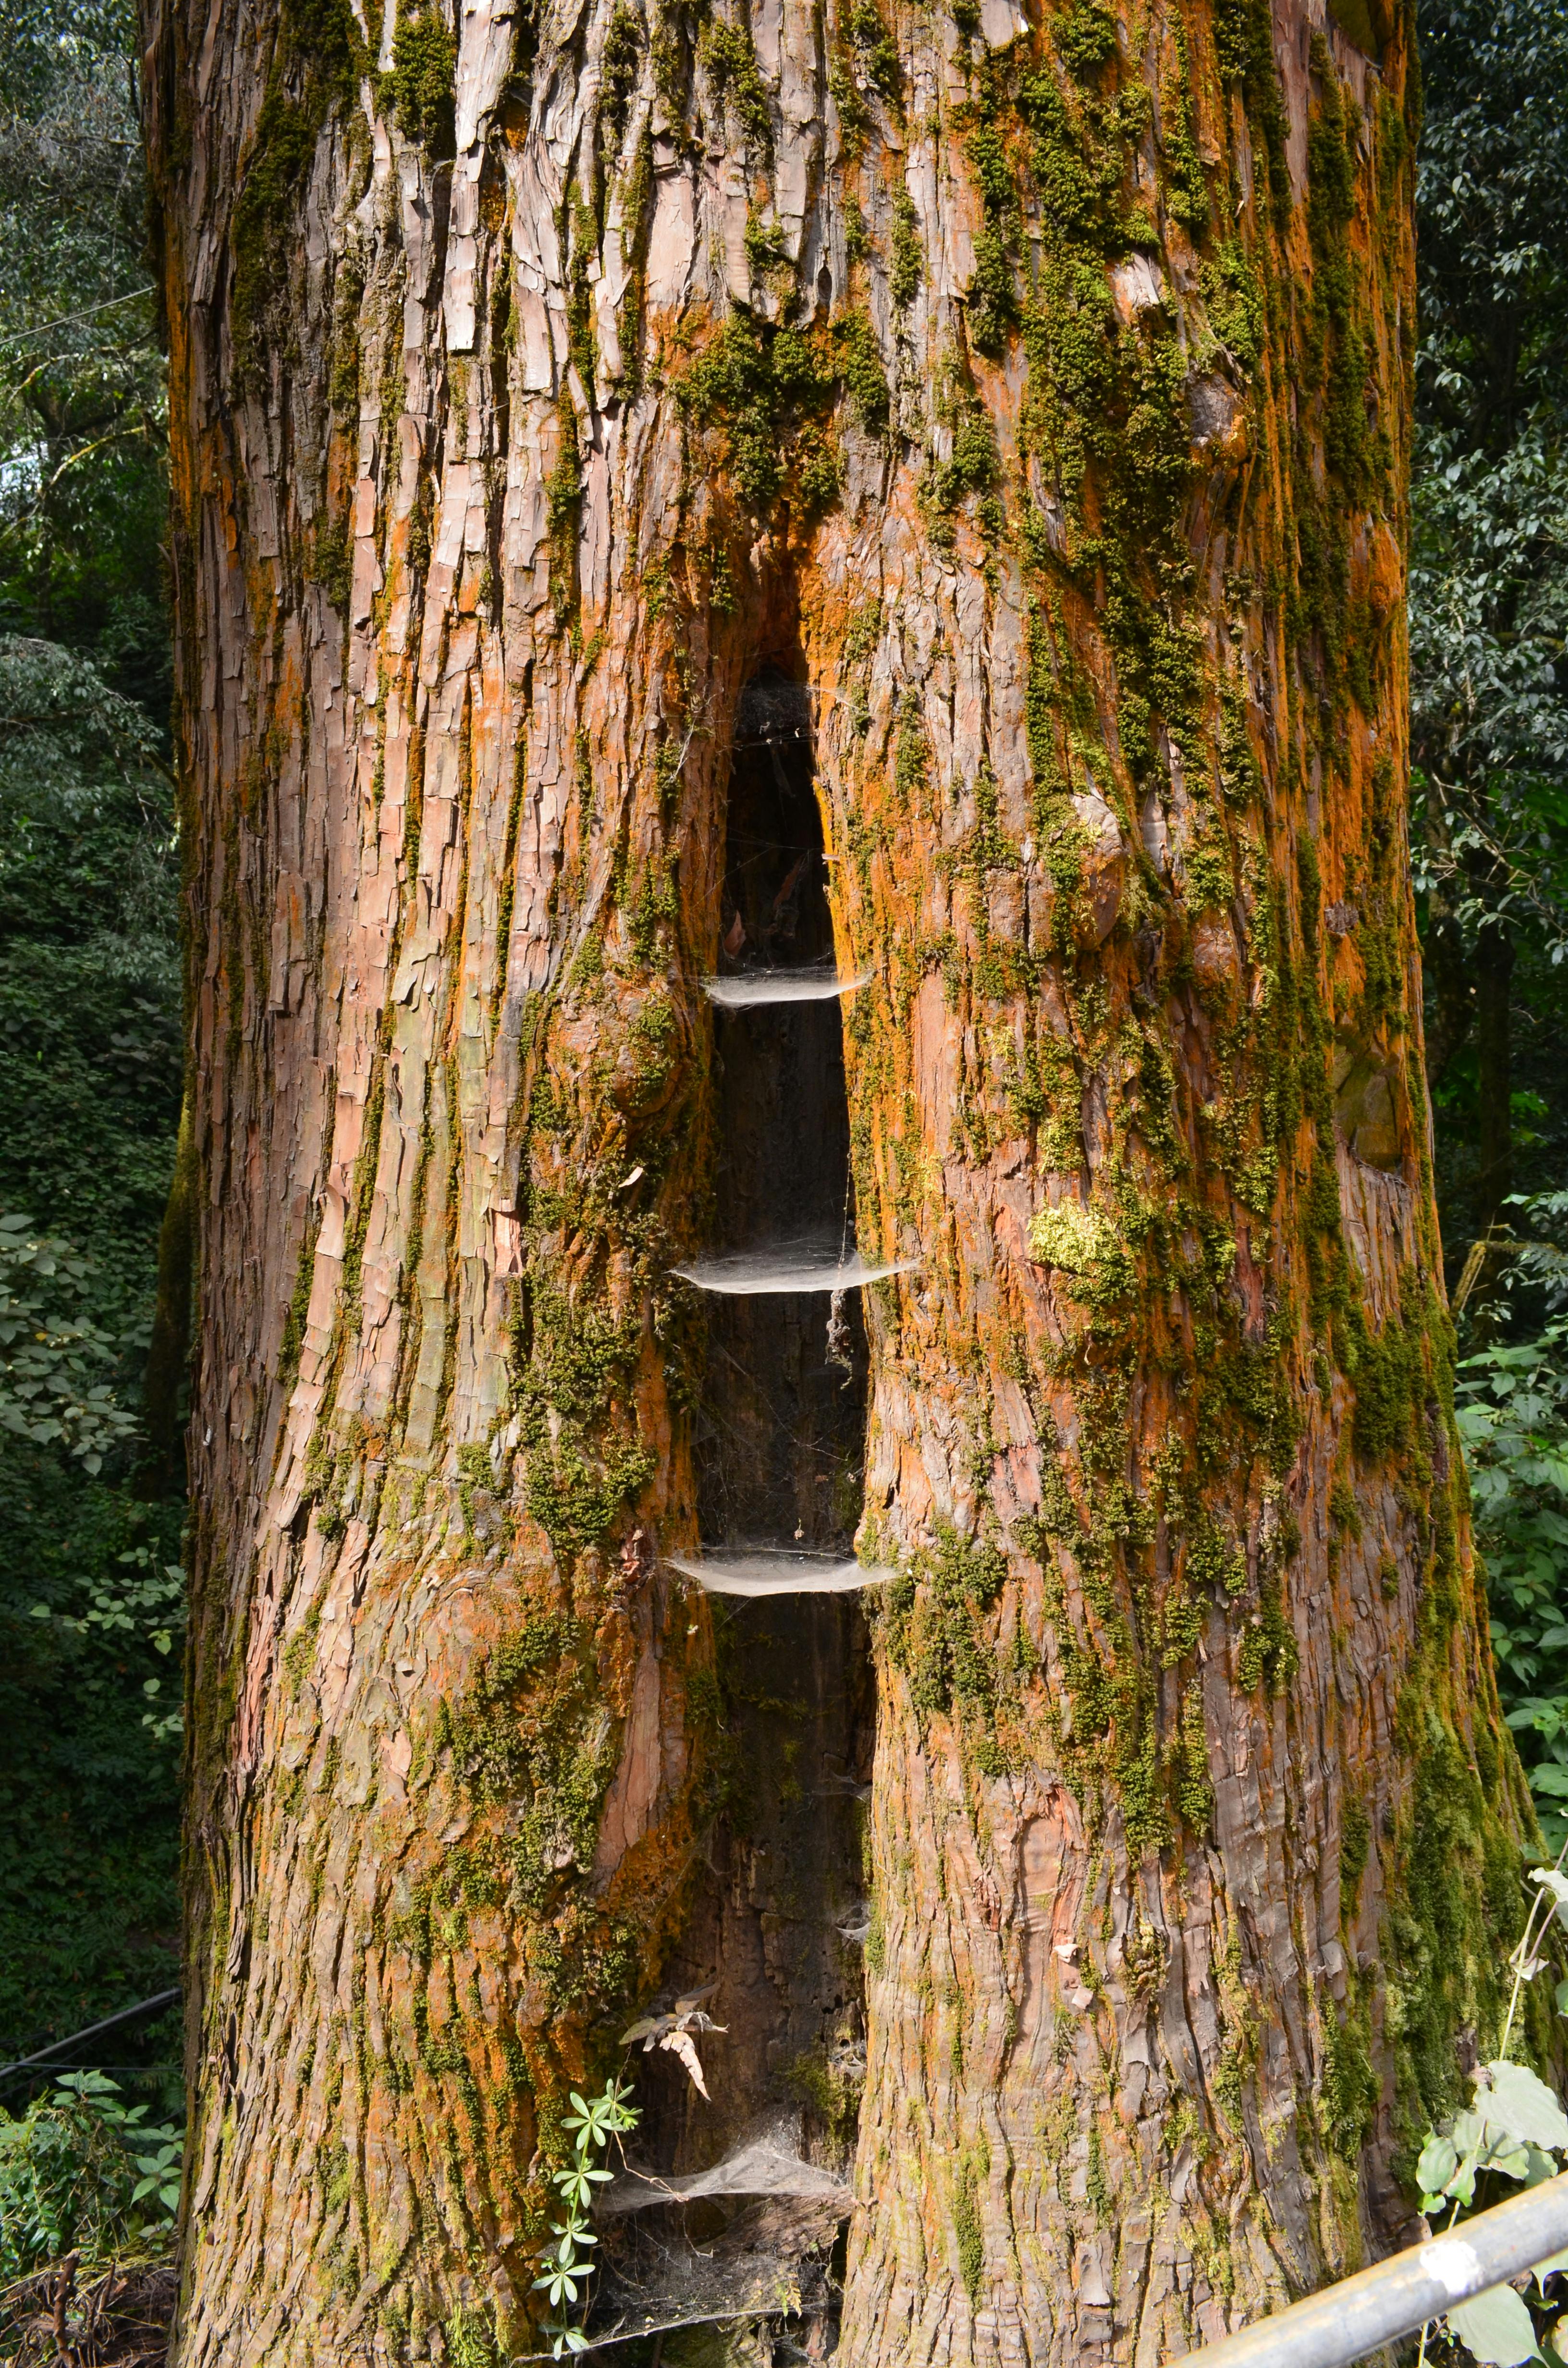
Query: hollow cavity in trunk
(778, 1914)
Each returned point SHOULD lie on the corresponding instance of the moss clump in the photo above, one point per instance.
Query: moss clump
(756, 381)
(1069, 1236)
(1182, 1622)
(317, 60)
(527, 1731)
(967, 2235)
(1386, 1368)
(1083, 1243)
(908, 264)
(1209, 878)
(972, 466)
(768, 387)
(637, 223)
(330, 562)
(1460, 1914)
(469, 2340)
(421, 529)
(832, 2094)
(1106, 413)
(1355, 1847)
(1084, 37)
(1235, 304)
(418, 89)
(577, 233)
(729, 60)
(1349, 2097)
(294, 1336)
(1243, 42)
(1111, 1727)
(572, 1364)
(912, 754)
(935, 1627)
(618, 74)
(863, 58)
(348, 297)
(991, 300)
(1194, 1792)
(1269, 1655)
(652, 910)
(1187, 192)
(859, 364)
(766, 261)
(476, 1476)
(563, 512)
(876, 51)
(1216, 1561)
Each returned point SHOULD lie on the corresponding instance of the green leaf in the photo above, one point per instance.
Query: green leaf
(1516, 2100)
(1495, 2328)
(1436, 2165)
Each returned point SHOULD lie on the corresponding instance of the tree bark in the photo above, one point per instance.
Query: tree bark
(1035, 390)
(168, 1350)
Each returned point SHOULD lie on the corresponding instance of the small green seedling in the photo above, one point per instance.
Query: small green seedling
(565, 2270)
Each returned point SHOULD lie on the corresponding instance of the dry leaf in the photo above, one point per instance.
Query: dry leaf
(680, 2044)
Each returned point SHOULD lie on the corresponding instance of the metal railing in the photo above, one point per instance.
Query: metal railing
(46, 2058)
(1359, 2315)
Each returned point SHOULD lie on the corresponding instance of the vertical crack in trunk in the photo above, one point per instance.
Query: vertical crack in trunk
(779, 1912)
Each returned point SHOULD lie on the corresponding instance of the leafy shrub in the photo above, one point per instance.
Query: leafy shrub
(80, 2172)
(1511, 1405)
(53, 1357)
(1516, 2129)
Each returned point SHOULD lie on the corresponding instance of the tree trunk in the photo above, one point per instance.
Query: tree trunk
(168, 1349)
(1035, 395)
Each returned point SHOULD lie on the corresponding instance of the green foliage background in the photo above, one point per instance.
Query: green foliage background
(89, 1047)
(1489, 650)
(1489, 579)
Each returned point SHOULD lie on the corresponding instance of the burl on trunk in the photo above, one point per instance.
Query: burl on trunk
(668, 492)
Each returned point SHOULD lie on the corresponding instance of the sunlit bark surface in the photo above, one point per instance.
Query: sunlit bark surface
(1034, 389)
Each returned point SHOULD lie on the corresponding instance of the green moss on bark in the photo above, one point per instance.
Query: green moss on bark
(318, 58)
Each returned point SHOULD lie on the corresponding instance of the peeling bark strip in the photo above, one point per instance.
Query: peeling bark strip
(1036, 389)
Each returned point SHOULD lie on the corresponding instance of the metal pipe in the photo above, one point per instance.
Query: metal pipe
(127, 2014)
(1360, 2314)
